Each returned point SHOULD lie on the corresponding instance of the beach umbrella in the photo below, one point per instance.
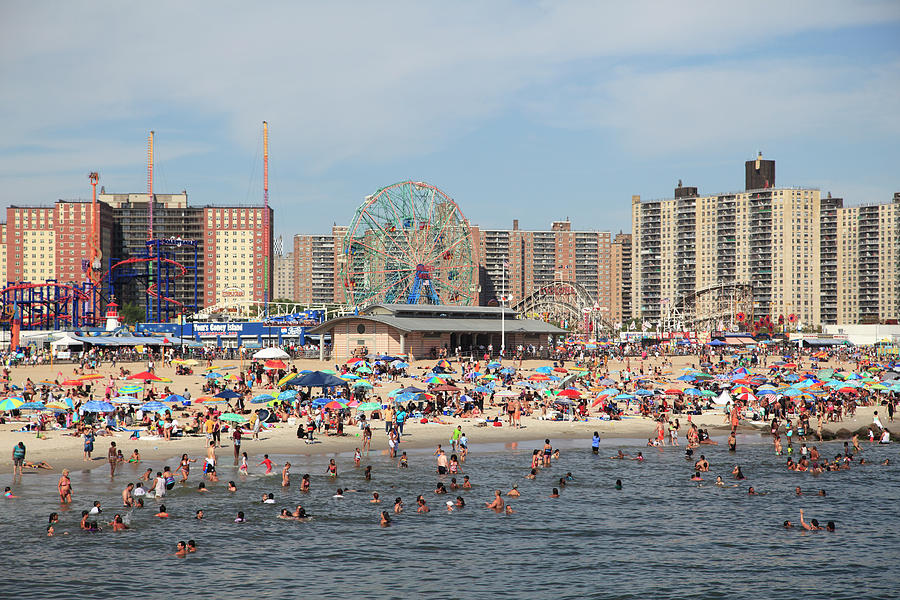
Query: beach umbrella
(286, 378)
(144, 376)
(493, 365)
(209, 400)
(213, 375)
(176, 398)
(154, 406)
(287, 395)
(491, 376)
(91, 376)
(692, 392)
(643, 392)
(539, 377)
(686, 378)
(57, 405)
(72, 382)
(399, 364)
(349, 376)
(569, 393)
(33, 406)
(262, 399)
(369, 406)
(544, 370)
(482, 389)
(326, 371)
(335, 405)
(363, 385)
(507, 371)
(674, 392)
(98, 406)
(437, 380)
(233, 418)
(229, 394)
(10, 403)
(275, 364)
(130, 388)
(624, 397)
(364, 369)
(125, 400)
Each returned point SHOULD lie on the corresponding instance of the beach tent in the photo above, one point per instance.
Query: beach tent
(723, 399)
(65, 341)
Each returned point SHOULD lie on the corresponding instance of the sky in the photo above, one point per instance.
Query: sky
(536, 111)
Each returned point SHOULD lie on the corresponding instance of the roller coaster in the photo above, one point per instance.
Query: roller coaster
(567, 304)
(717, 307)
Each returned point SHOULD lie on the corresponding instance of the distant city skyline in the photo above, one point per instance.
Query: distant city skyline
(535, 111)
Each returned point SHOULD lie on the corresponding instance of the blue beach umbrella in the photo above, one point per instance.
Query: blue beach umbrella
(98, 406)
(154, 406)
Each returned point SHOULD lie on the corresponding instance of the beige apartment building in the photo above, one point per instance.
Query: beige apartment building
(620, 279)
(794, 247)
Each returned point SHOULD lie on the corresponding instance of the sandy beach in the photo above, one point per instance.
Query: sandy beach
(65, 451)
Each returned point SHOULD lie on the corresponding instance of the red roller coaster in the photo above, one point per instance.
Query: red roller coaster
(153, 289)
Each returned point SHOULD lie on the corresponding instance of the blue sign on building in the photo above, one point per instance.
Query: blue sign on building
(236, 333)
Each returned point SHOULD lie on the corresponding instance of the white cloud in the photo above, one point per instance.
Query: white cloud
(372, 82)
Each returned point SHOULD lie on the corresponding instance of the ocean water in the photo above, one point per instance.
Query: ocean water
(661, 536)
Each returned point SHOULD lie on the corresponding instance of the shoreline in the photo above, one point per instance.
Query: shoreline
(62, 451)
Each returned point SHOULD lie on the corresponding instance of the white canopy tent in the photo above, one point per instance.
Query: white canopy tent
(271, 353)
(66, 341)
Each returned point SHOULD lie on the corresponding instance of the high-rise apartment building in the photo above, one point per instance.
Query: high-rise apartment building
(231, 247)
(238, 247)
(172, 219)
(868, 263)
(791, 245)
(54, 242)
(283, 276)
(314, 269)
(620, 280)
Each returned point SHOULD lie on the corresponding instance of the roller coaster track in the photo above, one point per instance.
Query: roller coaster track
(30, 320)
(152, 291)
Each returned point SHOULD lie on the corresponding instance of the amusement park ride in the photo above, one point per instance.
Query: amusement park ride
(54, 304)
(409, 244)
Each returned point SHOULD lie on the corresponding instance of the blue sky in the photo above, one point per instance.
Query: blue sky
(530, 110)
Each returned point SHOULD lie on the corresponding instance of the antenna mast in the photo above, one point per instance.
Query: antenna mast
(266, 217)
(150, 184)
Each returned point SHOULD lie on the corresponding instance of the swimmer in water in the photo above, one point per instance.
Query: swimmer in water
(332, 468)
(460, 503)
(385, 519)
(398, 506)
(514, 492)
(304, 483)
(798, 491)
(440, 489)
(181, 550)
(232, 487)
(696, 476)
(639, 457)
(191, 546)
(509, 509)
(268, 463)
(618, 484)
(118, 524)
(737, 472)
(7, 493)
(619, 456)
(201, 487)
(453, 485)
(532, 475)
(497, 503)
(285, 514)
(554, 493)
(199, 515)
(162, 514)
(268, 498)
(300, 513)
(467, 485)
(813, 524)
(240, 517)
(423, 508)
(375, 499)
(286, 475)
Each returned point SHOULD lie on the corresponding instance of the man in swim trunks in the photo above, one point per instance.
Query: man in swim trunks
(497, 503)
(442, 463)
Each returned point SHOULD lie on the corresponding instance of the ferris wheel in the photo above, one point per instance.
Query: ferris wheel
(409, 244)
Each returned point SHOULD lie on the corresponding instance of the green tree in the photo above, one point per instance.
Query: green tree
(131, 313)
